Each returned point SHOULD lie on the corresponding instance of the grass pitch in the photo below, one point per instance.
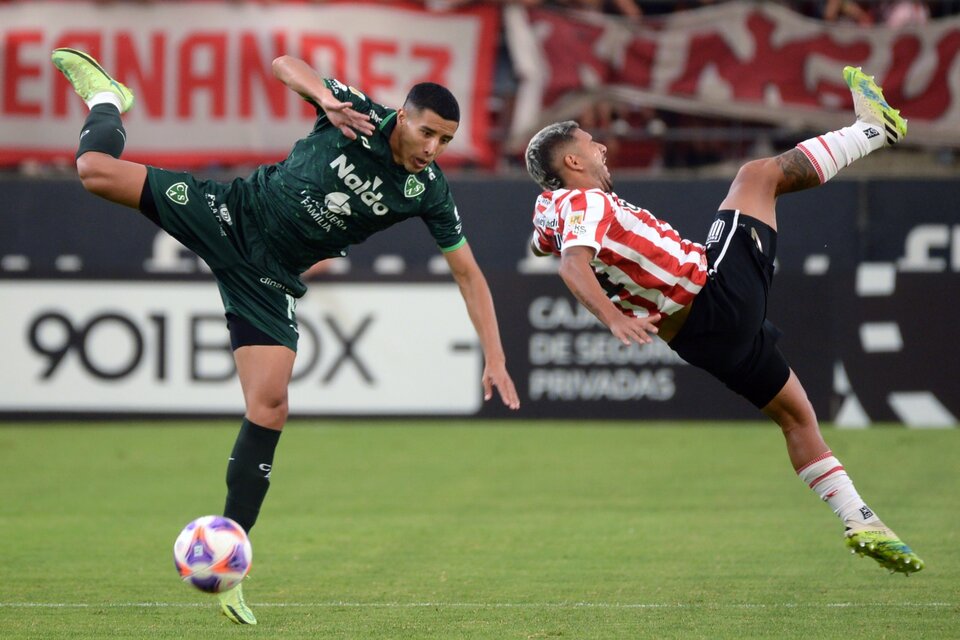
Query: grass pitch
(477, 530)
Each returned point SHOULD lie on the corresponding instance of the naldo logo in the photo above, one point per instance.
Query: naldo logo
(364, 188)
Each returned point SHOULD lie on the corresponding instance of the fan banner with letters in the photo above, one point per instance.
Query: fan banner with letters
(201, 73)
(752, 61)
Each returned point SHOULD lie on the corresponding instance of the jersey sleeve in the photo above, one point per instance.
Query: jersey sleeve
(443, 220)
(585, 217)
(545, 225)
(344, 93)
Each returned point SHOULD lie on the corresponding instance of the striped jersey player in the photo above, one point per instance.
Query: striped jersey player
(642, 262)
(708, 302)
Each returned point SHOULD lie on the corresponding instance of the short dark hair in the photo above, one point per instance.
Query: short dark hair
(541, 152)
(433, 96)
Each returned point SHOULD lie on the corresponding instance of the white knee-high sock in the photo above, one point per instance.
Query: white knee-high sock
(835, 150)
(827, 477)
(104, 97)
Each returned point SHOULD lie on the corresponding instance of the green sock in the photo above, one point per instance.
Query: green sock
(248, 472)
(102, 131)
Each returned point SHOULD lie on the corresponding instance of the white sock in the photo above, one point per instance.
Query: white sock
(105, 97)
(836, 150)
(827, 477)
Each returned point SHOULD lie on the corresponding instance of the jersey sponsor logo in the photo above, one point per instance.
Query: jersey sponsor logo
(363, 187)
(338, 203)
(335, 206)
(336, 84)
(178, 193)
(413, 187)
(546, 222)
(221, 213)
(270, 282)
(575, 224)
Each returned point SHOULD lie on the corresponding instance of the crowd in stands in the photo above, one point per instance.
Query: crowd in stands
(866, 12)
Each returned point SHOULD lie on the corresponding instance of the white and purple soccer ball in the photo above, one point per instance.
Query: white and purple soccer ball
(212, 553)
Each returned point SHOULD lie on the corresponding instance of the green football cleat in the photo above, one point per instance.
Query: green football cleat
(233, 606)
(88, 77)
(877, 541)
(871, 107)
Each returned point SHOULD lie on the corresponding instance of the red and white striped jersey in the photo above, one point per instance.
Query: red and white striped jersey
(642, 262)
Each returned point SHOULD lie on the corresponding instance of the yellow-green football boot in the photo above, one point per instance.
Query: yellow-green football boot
(89, 78)
(871, 107)
(878, 541)
(233, 606)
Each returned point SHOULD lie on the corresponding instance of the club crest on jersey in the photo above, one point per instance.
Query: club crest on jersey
(413, 187)
(716, 231)
(178, 193)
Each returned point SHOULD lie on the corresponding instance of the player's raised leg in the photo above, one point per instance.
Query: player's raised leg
(814, 161)
(102, 137)
(754, 192)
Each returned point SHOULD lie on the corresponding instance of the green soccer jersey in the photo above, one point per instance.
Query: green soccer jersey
(332, 192)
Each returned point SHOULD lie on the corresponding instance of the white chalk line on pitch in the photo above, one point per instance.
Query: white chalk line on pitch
(481, 605)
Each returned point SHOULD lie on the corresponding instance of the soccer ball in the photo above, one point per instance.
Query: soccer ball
(212, 553)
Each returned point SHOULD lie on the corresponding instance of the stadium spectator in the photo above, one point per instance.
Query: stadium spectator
(363, 168)
(839, 10)
(639, 277)
(906, 13)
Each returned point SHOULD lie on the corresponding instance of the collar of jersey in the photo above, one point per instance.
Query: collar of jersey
(388, 121)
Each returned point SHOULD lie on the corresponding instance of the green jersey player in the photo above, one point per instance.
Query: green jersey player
(362, 168)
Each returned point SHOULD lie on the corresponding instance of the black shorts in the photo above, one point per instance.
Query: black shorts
(727, 332)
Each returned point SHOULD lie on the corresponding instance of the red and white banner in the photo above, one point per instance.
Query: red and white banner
(201, 72)
(753, 61)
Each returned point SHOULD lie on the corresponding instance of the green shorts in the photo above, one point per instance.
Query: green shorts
(210, 219)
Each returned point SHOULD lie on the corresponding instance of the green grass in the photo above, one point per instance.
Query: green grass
(477, 530)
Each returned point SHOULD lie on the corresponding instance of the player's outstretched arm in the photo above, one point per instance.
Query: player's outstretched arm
(479, 301)
(578, 275)
(302, 78)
